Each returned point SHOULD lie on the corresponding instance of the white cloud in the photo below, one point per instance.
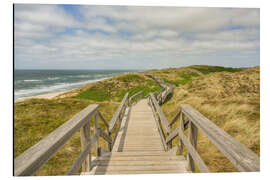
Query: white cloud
(118, 32)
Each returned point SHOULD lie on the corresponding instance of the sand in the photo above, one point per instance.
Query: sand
(43, 96)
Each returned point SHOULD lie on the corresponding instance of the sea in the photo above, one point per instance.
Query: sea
(36, 82)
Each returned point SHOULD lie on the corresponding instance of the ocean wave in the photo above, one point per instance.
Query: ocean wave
(49, 89)
(31, 80)
(53, 78)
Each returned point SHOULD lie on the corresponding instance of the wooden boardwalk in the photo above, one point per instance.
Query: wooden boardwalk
(138, 147)
(139, 139)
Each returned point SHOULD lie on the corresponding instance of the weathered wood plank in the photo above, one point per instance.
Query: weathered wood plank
(182, 126)
(105, 136)
(192, 136)
(158, 126)
(117, 113)
(192, 151)
(172, 135)
(33, 158)
(97, 130)
(175, 118)
(83, 155)
(162, 117)
(103, 119)
(85, 137)
(242, 157)
(135, 96)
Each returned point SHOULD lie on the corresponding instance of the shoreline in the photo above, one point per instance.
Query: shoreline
(43, 96)
(52, 95)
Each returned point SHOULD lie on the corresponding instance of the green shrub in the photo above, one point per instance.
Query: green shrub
(130, 77)
(96, 95)
(211, 69)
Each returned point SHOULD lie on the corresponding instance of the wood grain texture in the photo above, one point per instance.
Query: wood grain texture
(161, 116)
(33, 158)
(192, 137)
(117, 114)
(242, 157)
(192, 151)
(85, 137)
(83, 155)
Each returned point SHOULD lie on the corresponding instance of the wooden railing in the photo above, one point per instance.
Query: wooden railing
(167, 89)
(243, 158)
(135, 98)
(33, 158)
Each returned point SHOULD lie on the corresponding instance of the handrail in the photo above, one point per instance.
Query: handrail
(160, 114)
(78, 162)
(34, 157)
(167, 89)
(136, 95)
(118, 113)
(174, 119)
(200, 163)
(243, 158)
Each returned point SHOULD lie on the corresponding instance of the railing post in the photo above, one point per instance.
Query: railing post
(192, 136)
(85, 137)
(181, 145)
(97, 131)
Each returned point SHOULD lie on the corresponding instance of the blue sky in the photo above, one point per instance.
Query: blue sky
(132, 37)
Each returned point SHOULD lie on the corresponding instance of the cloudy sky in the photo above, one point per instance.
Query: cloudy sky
(130, 37)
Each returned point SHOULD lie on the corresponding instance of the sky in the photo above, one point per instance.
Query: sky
(134, 37)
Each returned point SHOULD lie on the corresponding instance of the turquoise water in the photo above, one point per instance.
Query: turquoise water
(35, 82)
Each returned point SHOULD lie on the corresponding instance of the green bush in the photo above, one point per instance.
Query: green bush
(96, 95)
(211, 69)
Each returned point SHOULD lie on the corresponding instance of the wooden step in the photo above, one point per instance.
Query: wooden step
(141, 148)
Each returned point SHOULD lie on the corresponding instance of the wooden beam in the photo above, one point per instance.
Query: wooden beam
(105, 136)
(117, 113)
(97, 130)
(103, 119)
(83, 155)
(194, 154)
(85, 137)
(174, 118)
(172, 135)
(243, 158)
(192, 136)
(33, 158)
(158, 125)
(162, 117)
(182, 127)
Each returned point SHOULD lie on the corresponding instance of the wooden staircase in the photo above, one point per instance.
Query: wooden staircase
(139, 139)
(138, 148)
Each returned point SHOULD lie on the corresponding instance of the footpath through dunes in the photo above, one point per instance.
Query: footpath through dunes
(139, 140)
(138, 147)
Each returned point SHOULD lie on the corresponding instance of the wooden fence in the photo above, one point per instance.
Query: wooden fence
(33, 158)
(243, 158)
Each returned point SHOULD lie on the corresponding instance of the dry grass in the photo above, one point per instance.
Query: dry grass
(36, 118)
(229, 99)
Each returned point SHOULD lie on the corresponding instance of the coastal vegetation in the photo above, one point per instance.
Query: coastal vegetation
(230, 97)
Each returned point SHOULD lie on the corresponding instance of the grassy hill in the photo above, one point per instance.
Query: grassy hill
(227, 96)
(36, 118)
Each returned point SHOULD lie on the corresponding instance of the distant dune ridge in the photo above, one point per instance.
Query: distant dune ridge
(227, 96)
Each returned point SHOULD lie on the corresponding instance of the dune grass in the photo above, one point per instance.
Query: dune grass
(34, 119)
(229, 99)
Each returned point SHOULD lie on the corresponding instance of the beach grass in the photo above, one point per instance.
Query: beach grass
(34, 119)
(228, 97)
